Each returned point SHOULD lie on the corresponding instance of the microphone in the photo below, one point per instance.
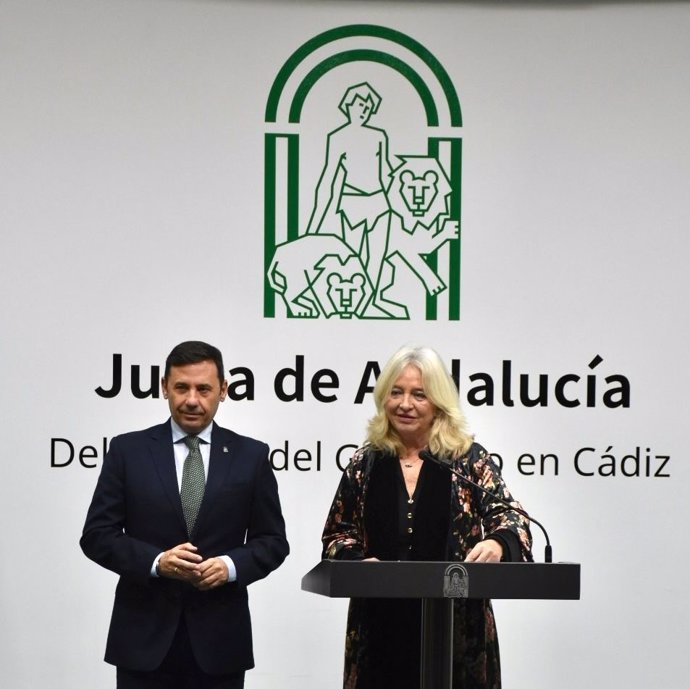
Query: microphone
(427, 455)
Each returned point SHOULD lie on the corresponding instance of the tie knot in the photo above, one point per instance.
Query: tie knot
(192, 442)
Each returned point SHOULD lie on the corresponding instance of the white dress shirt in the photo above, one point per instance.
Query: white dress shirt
(181, 451)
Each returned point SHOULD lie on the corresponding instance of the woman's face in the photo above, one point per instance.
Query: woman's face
(408, 409)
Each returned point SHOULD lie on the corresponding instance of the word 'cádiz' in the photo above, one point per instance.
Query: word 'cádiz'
(298, 382)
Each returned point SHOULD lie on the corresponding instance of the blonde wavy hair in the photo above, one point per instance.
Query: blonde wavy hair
(449, 436)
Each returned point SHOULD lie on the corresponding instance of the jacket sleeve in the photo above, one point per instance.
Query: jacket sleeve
(103, 538)
(343, 534)
(496, 517)
(265, 545)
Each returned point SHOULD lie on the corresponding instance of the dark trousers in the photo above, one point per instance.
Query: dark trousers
(179, 670)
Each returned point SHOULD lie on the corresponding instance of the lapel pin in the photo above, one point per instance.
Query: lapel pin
(225, 449)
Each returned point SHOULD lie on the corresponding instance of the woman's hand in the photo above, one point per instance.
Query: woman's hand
(485, 551)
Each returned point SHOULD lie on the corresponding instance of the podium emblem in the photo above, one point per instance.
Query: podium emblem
(456, 583)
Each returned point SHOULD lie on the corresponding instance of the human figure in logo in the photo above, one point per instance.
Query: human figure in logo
(353, 186)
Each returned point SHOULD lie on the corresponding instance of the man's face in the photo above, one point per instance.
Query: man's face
(359, 111)
(193, 392)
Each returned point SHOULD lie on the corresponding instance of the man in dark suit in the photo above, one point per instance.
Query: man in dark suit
(187, 513)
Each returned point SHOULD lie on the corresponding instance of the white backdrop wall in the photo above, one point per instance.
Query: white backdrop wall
(132, 177)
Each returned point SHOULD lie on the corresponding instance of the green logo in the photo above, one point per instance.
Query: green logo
(369, 227)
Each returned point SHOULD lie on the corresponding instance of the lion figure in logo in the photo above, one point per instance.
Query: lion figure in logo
(420, 223)
(319, 275)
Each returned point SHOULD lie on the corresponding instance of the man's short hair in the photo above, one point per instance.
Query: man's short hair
(365, 92)
(193, 352)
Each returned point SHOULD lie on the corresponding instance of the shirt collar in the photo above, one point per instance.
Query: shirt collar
(178, 434)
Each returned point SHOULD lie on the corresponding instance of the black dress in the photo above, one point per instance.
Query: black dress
(401, 528)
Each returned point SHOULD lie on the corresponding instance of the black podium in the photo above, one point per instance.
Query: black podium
(437, 584)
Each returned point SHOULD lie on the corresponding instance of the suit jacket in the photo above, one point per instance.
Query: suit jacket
(136, 513)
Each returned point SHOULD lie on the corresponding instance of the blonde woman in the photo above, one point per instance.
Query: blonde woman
(392, 505)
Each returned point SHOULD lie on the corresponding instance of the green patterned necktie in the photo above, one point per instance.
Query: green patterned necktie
(193, 483)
